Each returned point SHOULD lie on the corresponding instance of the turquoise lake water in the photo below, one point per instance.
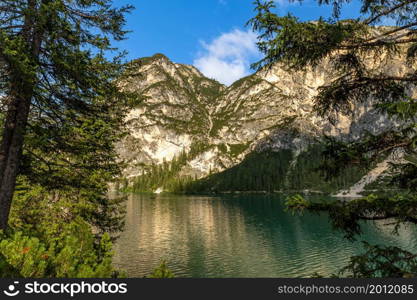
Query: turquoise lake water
(237, 236)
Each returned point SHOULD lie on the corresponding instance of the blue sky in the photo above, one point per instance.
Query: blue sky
(209, 34)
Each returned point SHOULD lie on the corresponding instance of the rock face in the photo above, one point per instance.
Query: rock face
(215, 127)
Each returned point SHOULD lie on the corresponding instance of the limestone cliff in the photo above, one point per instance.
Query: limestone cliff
(181, 113)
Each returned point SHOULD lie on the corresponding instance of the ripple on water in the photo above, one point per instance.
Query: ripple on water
(245, 236)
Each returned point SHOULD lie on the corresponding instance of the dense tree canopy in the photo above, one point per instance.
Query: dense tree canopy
(61, 113)
(61, 107)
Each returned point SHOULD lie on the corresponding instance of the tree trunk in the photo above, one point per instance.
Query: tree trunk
(11, 148)
(7, 134)
(17, 115)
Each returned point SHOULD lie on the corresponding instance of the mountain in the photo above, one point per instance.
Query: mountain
(191, 133)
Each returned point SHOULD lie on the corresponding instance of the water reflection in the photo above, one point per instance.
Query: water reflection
(244, 236)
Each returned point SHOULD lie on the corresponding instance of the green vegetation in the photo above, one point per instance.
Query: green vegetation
(50, 234)
(167, 175)
(147, 60)
(164, 175)
(264, 171)
(298, 45)
(191, 115)
(234, 149)
(277, 171)
(65, 251)
(259, 171)
(385, 262)
(162, 272)
(307, 173)
(62, 113)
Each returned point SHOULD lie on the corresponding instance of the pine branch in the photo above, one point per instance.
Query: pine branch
(389, 11)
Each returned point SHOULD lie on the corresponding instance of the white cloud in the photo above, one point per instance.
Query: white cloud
(282, 2)
(227, 58)
(285, 3)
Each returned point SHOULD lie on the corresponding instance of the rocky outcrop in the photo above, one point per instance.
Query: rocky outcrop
(180, 111)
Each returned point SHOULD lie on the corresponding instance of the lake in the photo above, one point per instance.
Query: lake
(237, 236)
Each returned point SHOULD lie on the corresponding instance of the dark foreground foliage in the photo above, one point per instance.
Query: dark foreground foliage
(349, 43)
(61, 113)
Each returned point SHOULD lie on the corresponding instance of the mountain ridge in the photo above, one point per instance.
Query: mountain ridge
(214, 127)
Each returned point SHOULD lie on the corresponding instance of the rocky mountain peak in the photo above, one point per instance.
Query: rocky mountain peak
(215, 127)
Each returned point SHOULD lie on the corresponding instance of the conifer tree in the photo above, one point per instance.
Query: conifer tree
(60, 104)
